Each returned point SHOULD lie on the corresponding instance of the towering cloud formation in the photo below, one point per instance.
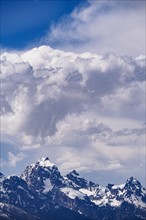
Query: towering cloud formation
(74, 104)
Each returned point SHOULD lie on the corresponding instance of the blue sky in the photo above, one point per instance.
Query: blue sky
(23, 22)
(73, 87)
(74, 25)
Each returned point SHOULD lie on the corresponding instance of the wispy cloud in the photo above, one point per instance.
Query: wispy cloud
(117, 26)
(13, 159)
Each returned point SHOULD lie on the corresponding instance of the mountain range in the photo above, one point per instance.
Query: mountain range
(42, 193)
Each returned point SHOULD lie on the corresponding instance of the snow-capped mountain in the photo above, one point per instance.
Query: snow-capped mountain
(42, 176)
(41, 192)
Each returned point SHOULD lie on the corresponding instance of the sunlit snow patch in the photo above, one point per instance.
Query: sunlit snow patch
(48, 185)
(71, 193)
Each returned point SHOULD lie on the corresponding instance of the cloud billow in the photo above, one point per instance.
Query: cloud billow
(75, 103)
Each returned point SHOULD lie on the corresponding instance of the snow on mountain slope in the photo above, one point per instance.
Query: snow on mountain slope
(42, 176)
(72, 193)
(42, 190)
(45, 162)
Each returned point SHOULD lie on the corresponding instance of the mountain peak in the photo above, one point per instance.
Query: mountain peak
(1, 175)
(132, 181)
(75, 178)
(45, 162)
(43, 191)
(74, 173)
(133, 185)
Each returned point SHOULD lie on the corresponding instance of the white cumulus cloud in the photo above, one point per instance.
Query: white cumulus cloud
(86, 111)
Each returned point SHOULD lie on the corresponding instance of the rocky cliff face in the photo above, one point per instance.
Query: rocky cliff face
(43, 193)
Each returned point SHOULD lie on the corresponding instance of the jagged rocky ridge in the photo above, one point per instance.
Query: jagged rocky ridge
(41, 192)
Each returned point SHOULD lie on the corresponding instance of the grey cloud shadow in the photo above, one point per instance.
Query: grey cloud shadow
(44, 117)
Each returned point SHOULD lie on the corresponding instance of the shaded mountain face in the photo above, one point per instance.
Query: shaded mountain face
(41, 192)
(42, 176)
